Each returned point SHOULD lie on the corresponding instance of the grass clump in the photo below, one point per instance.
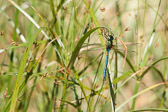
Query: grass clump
(49, 60)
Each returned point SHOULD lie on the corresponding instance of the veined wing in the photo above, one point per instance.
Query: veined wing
(98, 46)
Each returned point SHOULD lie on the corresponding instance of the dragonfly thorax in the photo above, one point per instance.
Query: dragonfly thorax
(109, 43)
(110, 38)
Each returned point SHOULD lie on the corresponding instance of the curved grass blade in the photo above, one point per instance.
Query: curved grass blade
(159, 73)
(38, 27)
(124, 76)
(78, 47)
(28, 17)
(136, 95)
(164, 58)
(150, 109)
(68, 102)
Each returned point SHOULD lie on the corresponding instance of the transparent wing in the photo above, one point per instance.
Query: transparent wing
(97, 46)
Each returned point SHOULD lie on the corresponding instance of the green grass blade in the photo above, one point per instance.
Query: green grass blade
(118, 79)
(135, 91)
(150, 109)
(78, 47)
(127, 60)
(146, 51)
(154, 63)
(28, 17)
(20, 73)
(82, 88)
(13, 25)
(112, 94)
(136, 95)
(159, 73)
(87, 66)
(94, 20)
(123, 76)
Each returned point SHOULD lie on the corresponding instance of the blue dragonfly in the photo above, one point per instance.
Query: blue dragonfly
(109, 45)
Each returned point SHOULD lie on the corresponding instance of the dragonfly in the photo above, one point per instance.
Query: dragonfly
(109, 45)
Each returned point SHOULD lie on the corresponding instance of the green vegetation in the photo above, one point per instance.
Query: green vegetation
(49, 60)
